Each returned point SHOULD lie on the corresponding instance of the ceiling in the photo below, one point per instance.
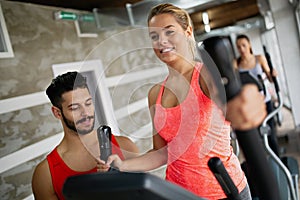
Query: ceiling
(82, 4)
(221, 12)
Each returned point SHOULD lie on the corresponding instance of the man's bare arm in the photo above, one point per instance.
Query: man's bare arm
(42, 183)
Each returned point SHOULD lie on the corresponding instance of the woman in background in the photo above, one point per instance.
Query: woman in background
(257, 66)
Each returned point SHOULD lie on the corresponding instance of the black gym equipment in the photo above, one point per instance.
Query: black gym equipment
(216, 166)
(104, 137)
(275, 82)
(285, 170)
(122, 185)
(117, 185)
(220, 50)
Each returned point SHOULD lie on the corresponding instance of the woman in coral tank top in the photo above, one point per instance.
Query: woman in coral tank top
(188, 126)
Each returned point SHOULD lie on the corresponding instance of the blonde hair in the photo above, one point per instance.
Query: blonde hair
(180, 15)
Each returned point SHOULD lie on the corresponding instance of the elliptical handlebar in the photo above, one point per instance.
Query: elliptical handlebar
(274, 79)
(265, 131)
(216, 166)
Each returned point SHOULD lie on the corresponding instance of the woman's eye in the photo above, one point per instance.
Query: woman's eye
(169, 32)
(154, 37)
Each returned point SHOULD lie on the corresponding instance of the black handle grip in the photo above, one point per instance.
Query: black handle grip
(274, 79)
(261, 81)
(216, 166)
(276, 85)
(220, 50)
(104, 138)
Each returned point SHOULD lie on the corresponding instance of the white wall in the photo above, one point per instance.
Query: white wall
(289, 43)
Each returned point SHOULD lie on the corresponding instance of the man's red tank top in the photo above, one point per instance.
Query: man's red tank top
(60, 171)
(196, 131)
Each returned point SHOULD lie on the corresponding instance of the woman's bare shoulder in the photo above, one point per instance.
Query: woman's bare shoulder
(153, 93)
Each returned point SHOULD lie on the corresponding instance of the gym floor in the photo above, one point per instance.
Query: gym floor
(290, 144)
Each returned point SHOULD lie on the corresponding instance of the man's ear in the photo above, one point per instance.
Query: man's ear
(56, 112)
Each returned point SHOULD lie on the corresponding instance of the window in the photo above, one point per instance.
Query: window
(5, 46)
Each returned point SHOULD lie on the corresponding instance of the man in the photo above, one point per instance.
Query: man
(77, 152)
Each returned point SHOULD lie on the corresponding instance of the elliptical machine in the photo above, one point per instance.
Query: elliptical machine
(286, 168)
(220, 52)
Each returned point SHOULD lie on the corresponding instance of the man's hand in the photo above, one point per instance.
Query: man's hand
(247, 110)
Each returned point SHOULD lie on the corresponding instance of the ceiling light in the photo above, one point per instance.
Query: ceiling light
(205, 18)
(207, 28)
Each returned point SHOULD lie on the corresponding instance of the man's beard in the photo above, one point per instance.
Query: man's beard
(71, 124)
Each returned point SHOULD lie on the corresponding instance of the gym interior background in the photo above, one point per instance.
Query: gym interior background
(35, 42)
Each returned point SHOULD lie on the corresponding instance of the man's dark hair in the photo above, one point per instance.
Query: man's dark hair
(64, 83)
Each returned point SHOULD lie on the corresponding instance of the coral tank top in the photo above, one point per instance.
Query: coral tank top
(195, 131)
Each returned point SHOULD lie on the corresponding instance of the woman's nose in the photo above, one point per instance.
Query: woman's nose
(163, 39)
